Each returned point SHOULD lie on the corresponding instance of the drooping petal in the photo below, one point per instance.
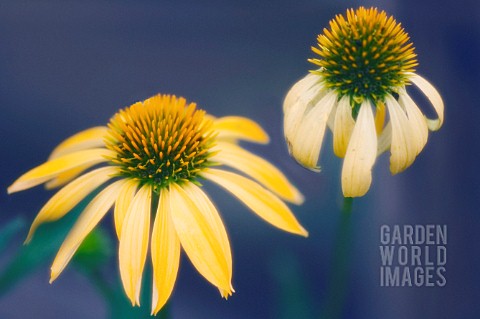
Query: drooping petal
(69, 196)
(417, 120)
(50, 169)
(90, 138)
(165, 250)
(206, 206)
(199, 238)
(343, 127)
(298, 89)
(361, 154)
(132, 251)
(432, 94)
(259, 169)
(242, 128)
(306, 142)
(404, 146)
(294, 114)
(65, 177)
(89, 218)
(258, 199)
(125, 198)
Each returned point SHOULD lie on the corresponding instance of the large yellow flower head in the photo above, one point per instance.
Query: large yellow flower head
(155, 155)
(366, 61)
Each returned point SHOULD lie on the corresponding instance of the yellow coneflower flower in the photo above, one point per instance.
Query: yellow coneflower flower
(366, 61)
(156, 154)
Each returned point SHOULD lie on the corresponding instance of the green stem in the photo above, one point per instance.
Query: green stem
(337, 289)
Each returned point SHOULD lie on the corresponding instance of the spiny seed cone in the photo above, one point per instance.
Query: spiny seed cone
(366, 55)
(160, 140)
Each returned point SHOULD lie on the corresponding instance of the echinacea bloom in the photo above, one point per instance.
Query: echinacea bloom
(366, 61)
(155, 154)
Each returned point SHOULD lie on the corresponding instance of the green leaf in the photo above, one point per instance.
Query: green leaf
(95, 251)
(40, 250)
(9, 230)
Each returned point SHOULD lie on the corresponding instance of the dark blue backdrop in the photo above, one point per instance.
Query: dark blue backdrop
(69, 65)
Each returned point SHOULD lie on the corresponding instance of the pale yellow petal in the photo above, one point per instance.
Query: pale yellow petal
(199, 238)
(69, 196)
(242, 128)
(417, 121)
(292, 120)
(165, 250)
(125, 198)
(89, 218)
(306, 143)
(343, 127)
(52, 168)
(361, 154)
(294, 113)
(261, 201)
(259, 169)
(404, 146)
(209, 211)
(90, 138)
(434, 97)
(298, 89)
(132, 251)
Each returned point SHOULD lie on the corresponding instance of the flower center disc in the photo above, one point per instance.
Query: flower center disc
(160, 140)
(366, 56)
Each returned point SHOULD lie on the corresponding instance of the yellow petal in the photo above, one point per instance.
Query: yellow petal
(361, 154)
(52, 168)
(404, 146)
(65, 177)
(125, 197)
(209, 211)
(237, 127)
(199, 238)
(89, 218)
(69, 196)
(259, 169)
(165, 252)
(380, 113)
(258, 199)
(90, 138)
(133, 247)
(434, 97)
(417, 121)
(306, 142)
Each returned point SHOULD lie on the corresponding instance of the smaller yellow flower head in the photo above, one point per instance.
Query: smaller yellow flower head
(366, 63)
(160, 140)
(365, 56)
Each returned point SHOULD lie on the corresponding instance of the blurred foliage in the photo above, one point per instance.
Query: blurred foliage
(8, 231)
(92, 258)
(38, 252)
(95, 251)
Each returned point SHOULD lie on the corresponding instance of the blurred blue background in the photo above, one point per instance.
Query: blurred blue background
(69, 65)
